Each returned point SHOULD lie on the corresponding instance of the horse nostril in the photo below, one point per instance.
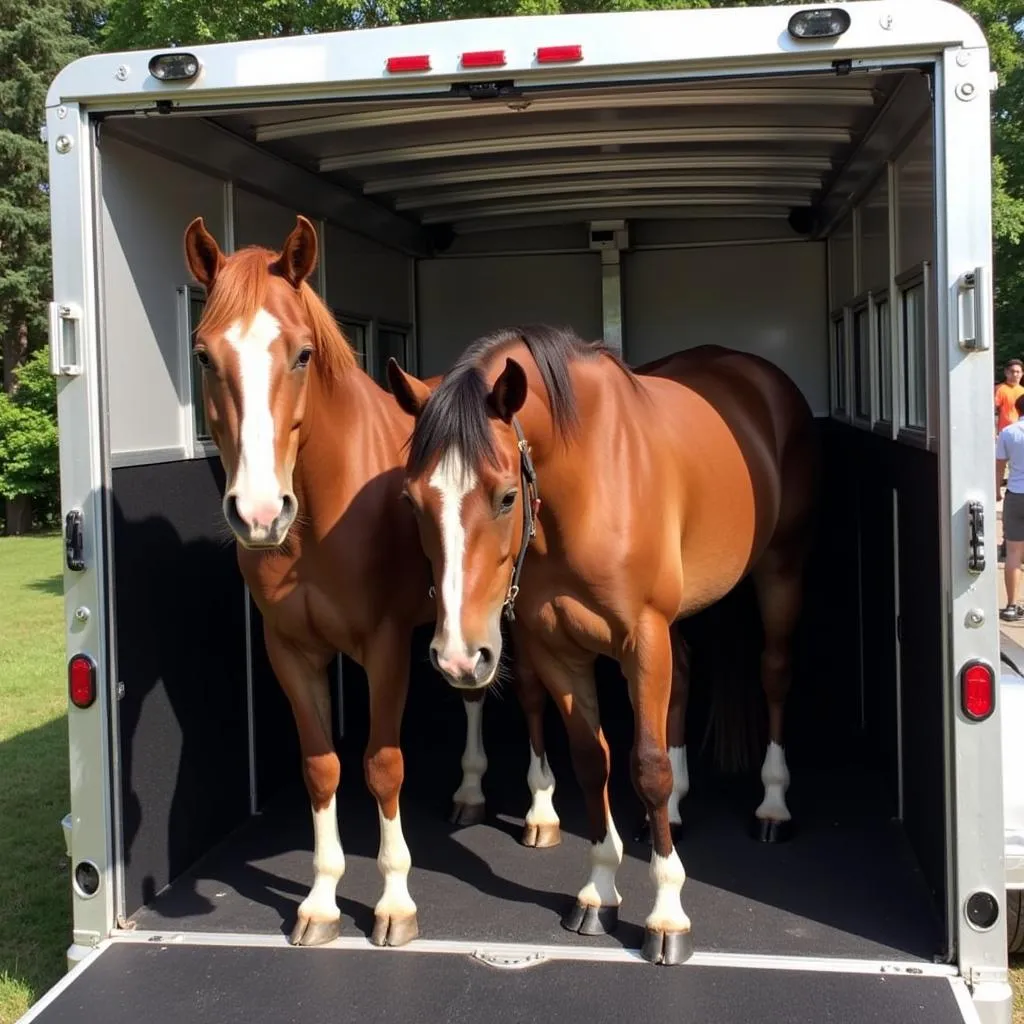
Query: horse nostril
(232, 515)
(484, 664)
(289, 506)
(434, 661)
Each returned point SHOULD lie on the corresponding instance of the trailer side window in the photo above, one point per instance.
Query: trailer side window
(197, 440)
(393, 340)
(862, 364)
(913, 339)
(839, 403)
(883, 359)
(357, 331)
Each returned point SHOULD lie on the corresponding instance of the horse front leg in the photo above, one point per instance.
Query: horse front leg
(468, 801)
(303, 679)
(678, 698)
(542, 827)
(648, 668)
(387, 669)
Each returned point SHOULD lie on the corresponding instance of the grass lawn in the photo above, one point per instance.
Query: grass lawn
(35, 920)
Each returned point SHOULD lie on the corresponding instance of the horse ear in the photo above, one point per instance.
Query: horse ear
(203, 255)
(298, 255)
(410, 392)
(509, 391)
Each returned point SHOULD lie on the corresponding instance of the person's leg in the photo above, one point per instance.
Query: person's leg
(1011, 571)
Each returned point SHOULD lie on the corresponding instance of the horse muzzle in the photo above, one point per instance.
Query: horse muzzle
(261, 524)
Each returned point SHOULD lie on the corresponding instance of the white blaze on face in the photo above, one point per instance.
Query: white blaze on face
(256, 488)
(453, 480)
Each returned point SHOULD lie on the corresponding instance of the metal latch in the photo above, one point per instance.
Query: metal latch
(74, 541)
(971, 306)
(65, 346)
(509, 960)
(976, 551)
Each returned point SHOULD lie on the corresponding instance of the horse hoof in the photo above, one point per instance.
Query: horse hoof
(643, 832)
(394, 931)
(308, 932)
(666, 947)
(767, 830)
(467, 814)
(585, 919)
(541, 837)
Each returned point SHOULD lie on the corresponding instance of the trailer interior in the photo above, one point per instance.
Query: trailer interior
(790, 215)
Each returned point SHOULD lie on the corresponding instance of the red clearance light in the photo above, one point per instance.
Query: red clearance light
(82, 680)
(416, 62)
(484, 59)
(977, 690)
(558, 54)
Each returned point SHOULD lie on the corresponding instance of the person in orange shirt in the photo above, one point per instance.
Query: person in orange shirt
(1007, 394)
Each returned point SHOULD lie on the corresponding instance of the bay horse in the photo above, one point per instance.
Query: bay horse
(313, 448)
(601, 505)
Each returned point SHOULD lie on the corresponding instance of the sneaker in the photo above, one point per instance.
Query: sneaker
(1012, 613)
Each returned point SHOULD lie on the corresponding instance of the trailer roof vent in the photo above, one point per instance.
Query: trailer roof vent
(819, 23)
(174, 67)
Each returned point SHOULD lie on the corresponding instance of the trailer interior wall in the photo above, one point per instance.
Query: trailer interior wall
(205, 735)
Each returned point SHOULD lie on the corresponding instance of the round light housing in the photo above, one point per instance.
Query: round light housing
(819, 23)
(174, 66)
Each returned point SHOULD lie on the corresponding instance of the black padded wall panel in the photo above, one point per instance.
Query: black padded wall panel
(179, 606)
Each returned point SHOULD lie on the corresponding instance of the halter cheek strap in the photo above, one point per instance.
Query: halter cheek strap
(531, 508)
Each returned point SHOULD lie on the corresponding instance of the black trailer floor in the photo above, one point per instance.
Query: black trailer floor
(167, 984)
(846, 885)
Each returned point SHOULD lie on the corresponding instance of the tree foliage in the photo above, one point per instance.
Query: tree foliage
(28, 435)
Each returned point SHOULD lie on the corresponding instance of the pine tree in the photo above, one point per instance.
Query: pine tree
(37, 39)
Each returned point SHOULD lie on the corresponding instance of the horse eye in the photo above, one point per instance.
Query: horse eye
(508, 501)
(203, 357)
(303, 358)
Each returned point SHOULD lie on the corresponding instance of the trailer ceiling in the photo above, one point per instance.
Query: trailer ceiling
(711, 148)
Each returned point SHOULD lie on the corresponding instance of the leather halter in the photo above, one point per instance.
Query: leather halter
(531, 508)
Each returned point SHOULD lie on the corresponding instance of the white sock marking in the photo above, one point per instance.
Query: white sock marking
(394, 862)
(541, 781)
(775, 776)
(668, 876)
(474, 757)
(328, 865)
(605, 858)
(680, 783)
(453, 480)
(255, 482)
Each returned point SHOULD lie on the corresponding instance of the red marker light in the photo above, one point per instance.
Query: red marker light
(977, 690)
(82, 680)
(416, 62)
(558, 54)
(484, 59)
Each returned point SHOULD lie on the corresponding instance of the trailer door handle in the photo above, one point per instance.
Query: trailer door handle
(74, 541)
(971, 306)
(65, 326)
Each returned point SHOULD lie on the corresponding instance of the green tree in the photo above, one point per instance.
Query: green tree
(28, 437)
(37, 38)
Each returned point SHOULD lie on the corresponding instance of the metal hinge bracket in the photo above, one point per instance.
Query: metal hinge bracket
(508, 960)
(976, 541)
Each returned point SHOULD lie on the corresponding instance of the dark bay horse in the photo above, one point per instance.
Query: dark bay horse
(313, 449)
(649, 496)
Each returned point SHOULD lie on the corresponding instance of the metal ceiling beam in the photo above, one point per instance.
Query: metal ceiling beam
(578, 140)
(511, 189)
(667, 199)
(459, 110)
(472, 226)
(594, 165)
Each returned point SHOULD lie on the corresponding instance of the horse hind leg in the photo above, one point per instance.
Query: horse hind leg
(779, 583)
(468, 801)
(678, 698)
(305, 685)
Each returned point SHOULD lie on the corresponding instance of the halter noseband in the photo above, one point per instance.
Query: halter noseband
(531, 507)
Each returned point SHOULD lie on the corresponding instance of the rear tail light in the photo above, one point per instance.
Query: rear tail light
(558, 54)
(484, 59)
(977, 690)
(82, 680)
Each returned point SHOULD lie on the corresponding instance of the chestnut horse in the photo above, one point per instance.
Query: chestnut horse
(649, 495)
(312, 449)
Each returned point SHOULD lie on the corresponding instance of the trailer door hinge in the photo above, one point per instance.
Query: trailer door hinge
(74, 541)
(976, 544)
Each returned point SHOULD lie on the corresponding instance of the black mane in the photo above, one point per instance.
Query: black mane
(456, 416)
